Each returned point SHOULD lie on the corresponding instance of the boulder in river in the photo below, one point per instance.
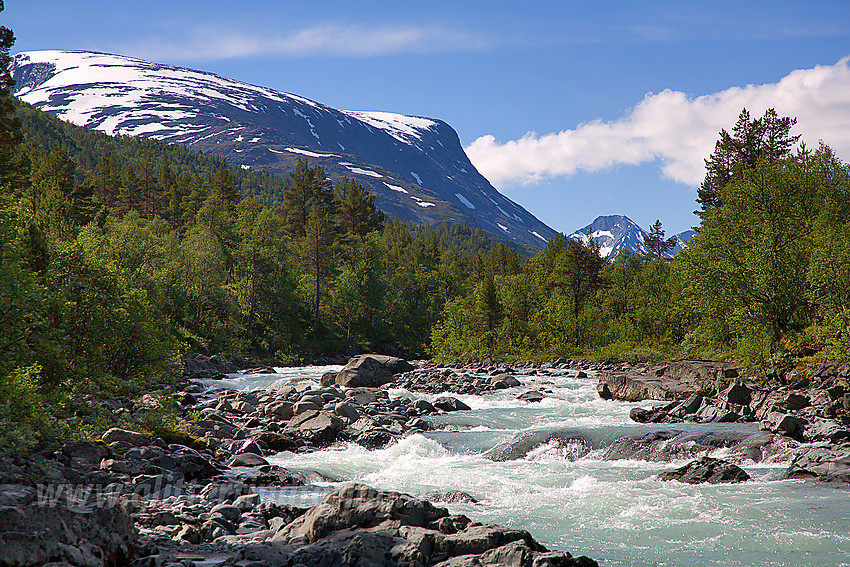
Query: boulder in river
(317, 427)
(448, 403)
(666, 381)
(367, 370)
(824, 461)
(707, 470)
(359, 525)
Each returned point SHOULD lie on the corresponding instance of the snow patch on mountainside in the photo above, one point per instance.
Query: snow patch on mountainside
(402, 128)
(206, 112)
(396, 188)
(307, 153)
(465, 201)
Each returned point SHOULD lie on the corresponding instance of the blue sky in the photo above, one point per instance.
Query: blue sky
(572, 109)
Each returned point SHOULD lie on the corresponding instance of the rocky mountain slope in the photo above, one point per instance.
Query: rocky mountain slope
(617, 232)
(414, 166)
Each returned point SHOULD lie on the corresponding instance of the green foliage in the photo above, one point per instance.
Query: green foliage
(119, 252)
(23, 417)
(160, 417)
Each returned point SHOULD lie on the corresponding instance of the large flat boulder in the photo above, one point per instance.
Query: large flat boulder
(356, 525)
(674, 380)
(822, 461)
(367, 370)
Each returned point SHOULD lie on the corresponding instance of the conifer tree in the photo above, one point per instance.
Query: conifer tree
(656, 244)
(307, 185)
(357, 213)
(766, 139)
(12, 162)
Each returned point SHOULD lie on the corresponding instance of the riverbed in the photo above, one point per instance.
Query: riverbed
(568, 497)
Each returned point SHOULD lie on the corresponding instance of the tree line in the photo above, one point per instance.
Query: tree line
(766, 279)
(117, 254)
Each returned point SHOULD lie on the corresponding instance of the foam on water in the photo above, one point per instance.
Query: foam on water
(614, 511)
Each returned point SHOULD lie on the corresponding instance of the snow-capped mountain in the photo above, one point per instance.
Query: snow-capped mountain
(415, 167)
(617, 232)
(682, 240)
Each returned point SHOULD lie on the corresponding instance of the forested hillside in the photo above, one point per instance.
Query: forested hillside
(766, 280)
(120, 253)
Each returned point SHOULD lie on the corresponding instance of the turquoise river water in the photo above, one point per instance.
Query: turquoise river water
(568, 498)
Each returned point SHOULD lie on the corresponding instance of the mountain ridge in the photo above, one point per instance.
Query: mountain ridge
(415, 166)
(614, 233)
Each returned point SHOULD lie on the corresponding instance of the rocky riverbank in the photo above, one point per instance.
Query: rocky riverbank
(807, 415)
(129, 499)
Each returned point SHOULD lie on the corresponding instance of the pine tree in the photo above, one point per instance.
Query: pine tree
(766, 139)
(656, 244)
(12, 162)
(357, 213)
(223, 188)
(307, 185)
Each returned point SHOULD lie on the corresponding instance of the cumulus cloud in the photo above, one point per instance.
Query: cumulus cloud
(676, 131)
(208, 43)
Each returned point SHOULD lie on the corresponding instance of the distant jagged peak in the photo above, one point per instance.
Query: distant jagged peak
(613, 233)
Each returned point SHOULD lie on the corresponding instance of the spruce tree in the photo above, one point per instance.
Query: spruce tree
(12, 163)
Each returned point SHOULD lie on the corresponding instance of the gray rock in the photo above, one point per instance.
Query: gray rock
(448, 404)
(365, 396)
(526, 441)
(247, 502)
(85, 451)
(737, 394)
(248, 446)
(317, 427)
(122, 435)
(784, 424)
(531, 396)
(247, 460)
(678, 380)
(672, 444)
(229, 511)
(358, 506)
(707, 470)
(450, 497)
(347, 411)
(302, 407)
(689, 406)
(221, 492)
(822, 461)
(279, 409)
(96, 535)
(424, 406)
(370, 370)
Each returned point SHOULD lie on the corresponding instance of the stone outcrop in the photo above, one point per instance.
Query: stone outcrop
(823, 461)
(707, 470)
(367, 370)
(34, 533)
(674, 444)
(200, 366)
(358, 525)
(809, 412)
(672, 380)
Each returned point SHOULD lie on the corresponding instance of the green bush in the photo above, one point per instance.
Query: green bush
(23, 418)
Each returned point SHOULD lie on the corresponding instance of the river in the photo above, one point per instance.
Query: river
(571, 499)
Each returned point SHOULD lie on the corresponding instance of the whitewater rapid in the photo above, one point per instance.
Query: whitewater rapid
(571, 499)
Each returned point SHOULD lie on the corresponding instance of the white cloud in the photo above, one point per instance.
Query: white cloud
(677, 131)
(209, 43)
